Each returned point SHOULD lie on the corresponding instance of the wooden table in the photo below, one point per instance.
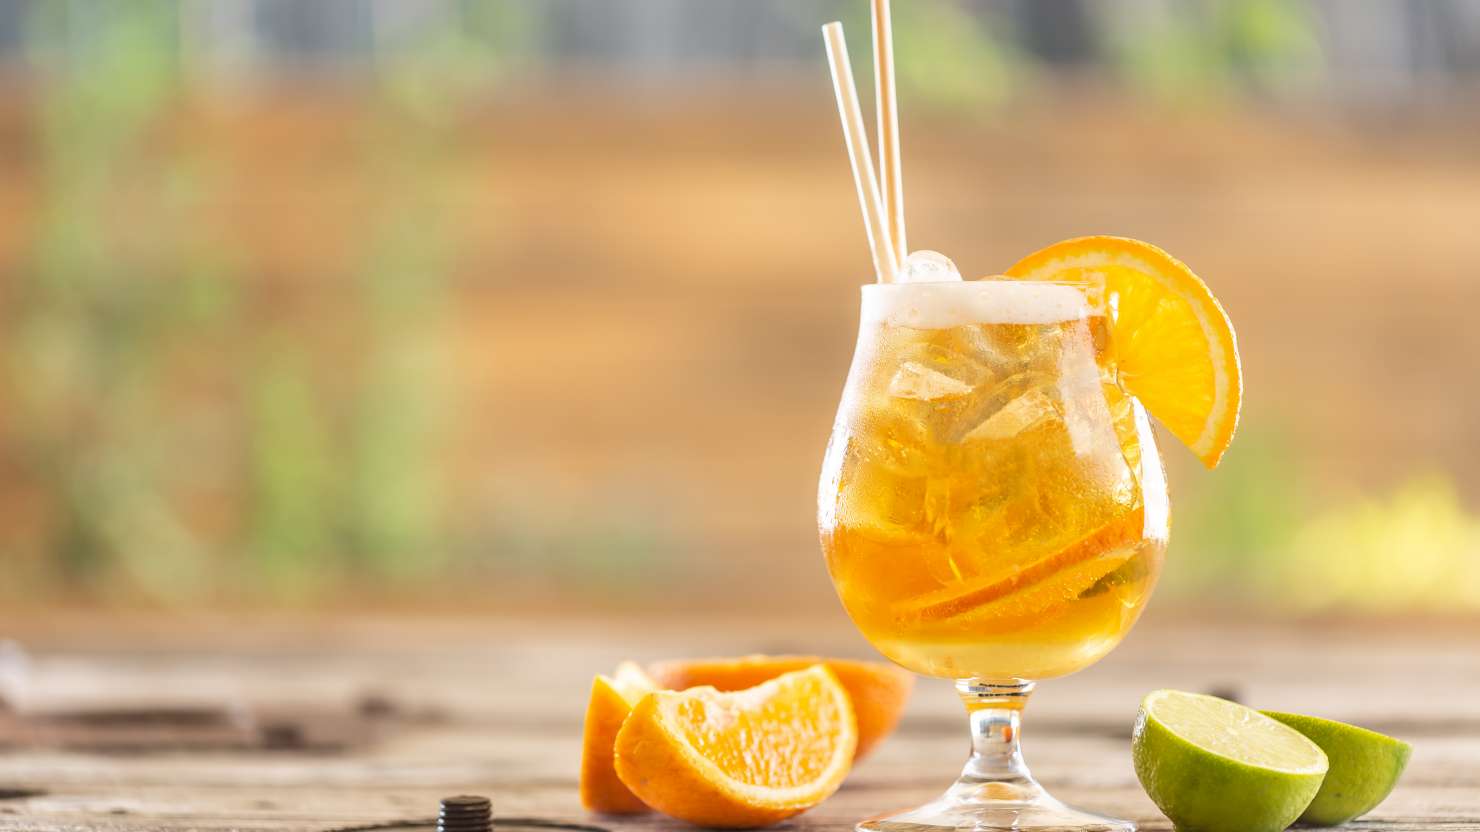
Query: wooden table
(275, 723)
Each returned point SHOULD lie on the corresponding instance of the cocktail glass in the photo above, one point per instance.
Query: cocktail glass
(993, 510)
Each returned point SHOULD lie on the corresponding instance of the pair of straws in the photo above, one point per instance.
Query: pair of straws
(883, 209)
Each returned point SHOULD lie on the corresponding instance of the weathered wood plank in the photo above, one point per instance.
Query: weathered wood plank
(494, 708)
(318, 809)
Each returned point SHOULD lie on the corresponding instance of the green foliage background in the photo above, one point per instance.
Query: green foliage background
(128, 355)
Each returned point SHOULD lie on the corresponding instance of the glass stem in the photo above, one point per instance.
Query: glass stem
(995, 710)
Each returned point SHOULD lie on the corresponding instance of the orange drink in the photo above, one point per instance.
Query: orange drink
(992, 505)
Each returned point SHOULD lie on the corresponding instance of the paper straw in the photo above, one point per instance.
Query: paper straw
(890, 176)
(886, 262)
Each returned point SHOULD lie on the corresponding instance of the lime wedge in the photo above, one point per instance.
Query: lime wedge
(1365, 766)
(1212, 765)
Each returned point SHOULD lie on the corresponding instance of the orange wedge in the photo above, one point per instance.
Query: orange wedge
(878, 690)
(744, 759)
(611, 701)
(1172, 344)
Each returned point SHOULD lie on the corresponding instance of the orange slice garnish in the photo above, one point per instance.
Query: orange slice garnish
(1171, 342)
(878, 690)
(744, 759)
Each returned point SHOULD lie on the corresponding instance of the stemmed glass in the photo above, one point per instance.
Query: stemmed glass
(993, 510)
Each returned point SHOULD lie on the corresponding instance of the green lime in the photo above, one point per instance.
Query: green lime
(1215, 766)
(1365, 766)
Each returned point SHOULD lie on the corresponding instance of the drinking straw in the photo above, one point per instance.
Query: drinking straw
(890, 175)
(886, 262)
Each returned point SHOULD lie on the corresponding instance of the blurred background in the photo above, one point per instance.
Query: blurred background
(547, 304)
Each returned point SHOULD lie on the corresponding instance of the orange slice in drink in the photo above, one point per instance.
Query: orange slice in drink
(877, 690)
(611, 701)
(1172, 344)
(744, 759)
(1040, 585)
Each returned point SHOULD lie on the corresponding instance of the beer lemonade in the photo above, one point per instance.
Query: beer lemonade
(992, 506)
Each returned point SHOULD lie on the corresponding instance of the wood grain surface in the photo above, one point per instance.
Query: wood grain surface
(321, 723)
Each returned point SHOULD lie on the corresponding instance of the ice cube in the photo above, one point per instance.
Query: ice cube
(1086, 412)
(916, 381)
(880, 502)
(927, 266)
(936, 364)
(1087, 394)
(1021, 347)
(1013, 418)
(895, 438)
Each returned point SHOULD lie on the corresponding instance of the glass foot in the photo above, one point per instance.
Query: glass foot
(996, 805)
(995, 790)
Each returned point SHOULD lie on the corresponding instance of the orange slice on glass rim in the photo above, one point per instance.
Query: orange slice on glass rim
(1171, 342)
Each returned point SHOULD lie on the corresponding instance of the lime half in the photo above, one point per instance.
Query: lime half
(1215, 766)
(1365, 766)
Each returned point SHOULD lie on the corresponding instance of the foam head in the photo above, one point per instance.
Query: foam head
(987, 301)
